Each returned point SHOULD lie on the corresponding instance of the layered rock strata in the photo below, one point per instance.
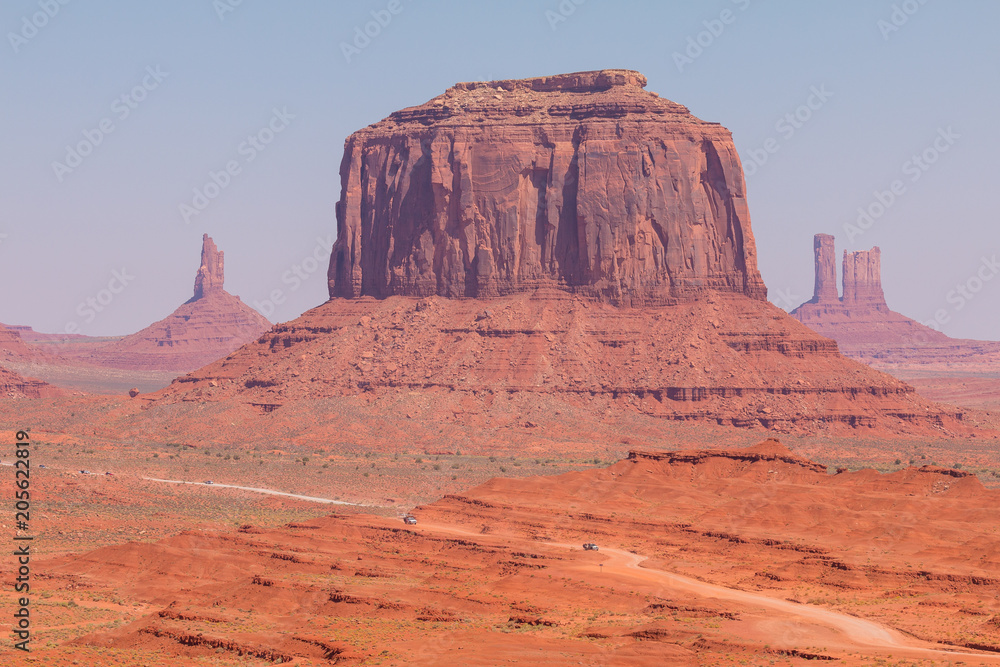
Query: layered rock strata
(825, 290)
(583, 181)
(725, 359)
(558, 240)
(863, 279)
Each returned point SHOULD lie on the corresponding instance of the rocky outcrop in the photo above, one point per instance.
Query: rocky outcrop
(211, 273)
(770, 450)
(866, 329)
(584, 182)
(825, 290)
(207, 327)
(863, 279)
(725, 359)
(14, 385)
(11, 344)
(589, 213)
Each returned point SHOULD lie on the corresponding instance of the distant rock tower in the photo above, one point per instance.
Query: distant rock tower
(205, 328)
(211, 273)
(863, 279)
(825, 290)
(860, 321)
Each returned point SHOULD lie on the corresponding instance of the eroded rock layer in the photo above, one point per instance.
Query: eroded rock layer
(724, 359)
(863, 279)
(14, 385)
(582, 181)
(826, 270)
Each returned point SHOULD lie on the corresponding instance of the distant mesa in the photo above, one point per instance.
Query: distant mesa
(207, 327)
(583, 182)
(864, 326)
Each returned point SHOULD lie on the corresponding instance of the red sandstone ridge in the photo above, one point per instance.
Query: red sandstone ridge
(581, 181)
(11, 344)
(12, 384)
(866, 329)
(207, 327)
(724, 359)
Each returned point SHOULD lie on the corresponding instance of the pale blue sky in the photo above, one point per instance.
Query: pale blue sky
(220, 80)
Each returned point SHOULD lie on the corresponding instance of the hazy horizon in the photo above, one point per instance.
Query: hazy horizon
(834, 107)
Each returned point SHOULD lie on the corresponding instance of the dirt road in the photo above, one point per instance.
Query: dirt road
(314, 499)
(794, 625)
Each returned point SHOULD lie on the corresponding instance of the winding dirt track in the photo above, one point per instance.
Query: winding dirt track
(812, 624)
(328, 501)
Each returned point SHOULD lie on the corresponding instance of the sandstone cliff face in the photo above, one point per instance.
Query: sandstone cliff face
(207, 327)
(863, 279)
(13, 384)
(11, 344)
(826, 270)
(211, 273)
(581, 181)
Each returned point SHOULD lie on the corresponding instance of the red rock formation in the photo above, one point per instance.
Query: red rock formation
(11, 344)
(725, 359)
(581, 181)
(12, 384)
(207, 327)
(825, 290)
(863, 279)
(522, 191)
(866, 329)
(211, 273)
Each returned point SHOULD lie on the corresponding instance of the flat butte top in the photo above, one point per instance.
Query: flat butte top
(613, 94)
